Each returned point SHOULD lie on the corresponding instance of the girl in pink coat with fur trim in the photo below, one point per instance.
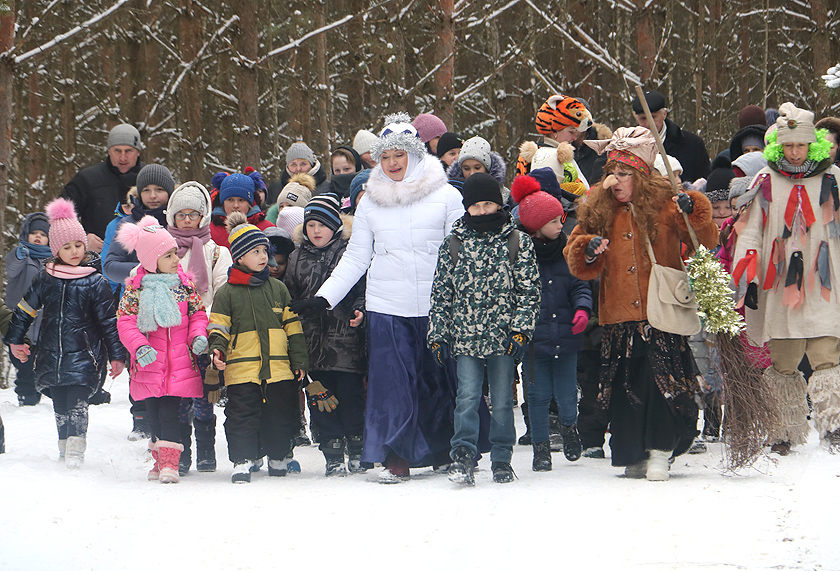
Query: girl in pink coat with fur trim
(162, 322)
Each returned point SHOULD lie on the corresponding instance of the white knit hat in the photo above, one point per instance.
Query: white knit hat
(363, 141)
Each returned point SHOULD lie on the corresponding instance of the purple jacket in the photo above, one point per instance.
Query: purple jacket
(174, 372)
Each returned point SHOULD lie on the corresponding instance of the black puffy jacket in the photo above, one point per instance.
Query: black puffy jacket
(78, 334)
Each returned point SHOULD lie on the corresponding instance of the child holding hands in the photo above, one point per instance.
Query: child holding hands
(78, 334)
(258, 342)
(162, 323)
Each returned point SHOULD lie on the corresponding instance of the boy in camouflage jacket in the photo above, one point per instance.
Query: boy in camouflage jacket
(485, 305)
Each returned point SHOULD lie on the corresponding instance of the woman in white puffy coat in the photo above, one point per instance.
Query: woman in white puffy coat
(188, 220)
(407, 210)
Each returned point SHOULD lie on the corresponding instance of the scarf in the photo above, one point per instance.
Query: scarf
(140, 210)
(193, 241)
(239, 275)
(551, 250)
(65, 272)
(804, 170)
(157, 307)
(29, 250)
(488, 222)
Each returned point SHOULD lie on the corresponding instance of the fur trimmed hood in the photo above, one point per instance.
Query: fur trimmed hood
(386, 192)
(346, 232)
(498, 168)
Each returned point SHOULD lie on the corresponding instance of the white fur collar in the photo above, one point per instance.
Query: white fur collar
(385, 192)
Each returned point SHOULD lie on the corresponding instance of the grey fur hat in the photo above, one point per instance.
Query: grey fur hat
(398, 133)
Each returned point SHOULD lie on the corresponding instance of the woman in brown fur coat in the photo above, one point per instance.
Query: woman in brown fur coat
(648, 376)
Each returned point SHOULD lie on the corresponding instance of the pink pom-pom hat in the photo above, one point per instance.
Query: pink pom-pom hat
(64, 225)
(148, 238)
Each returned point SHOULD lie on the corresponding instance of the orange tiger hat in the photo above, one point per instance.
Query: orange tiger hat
(561, 111)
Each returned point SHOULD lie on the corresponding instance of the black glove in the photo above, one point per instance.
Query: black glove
(685, 202)
(515, 346)
(591, 247)
(441, 351)
(751, 297)
(312, 304)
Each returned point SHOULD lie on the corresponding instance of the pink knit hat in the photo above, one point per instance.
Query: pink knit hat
(148, 238)
(428, 126)
(536, 207)
(64, 226)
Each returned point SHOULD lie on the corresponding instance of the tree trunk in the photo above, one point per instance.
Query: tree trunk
(355, 84)
(821, 43)
(445, 48)
(248, 83)
(645, 43)
(189, 94)
(7, 40)
(323, 88)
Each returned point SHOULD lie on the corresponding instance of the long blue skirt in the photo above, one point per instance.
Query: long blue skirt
(410, 400)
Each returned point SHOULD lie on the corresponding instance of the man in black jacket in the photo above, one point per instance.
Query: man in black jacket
(98, 189)
(684, 145)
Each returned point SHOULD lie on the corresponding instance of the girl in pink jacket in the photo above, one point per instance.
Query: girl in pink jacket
(162, 322)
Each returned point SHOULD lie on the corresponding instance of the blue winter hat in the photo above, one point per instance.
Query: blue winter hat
(548, 181)
(237, 185)
(358, 185)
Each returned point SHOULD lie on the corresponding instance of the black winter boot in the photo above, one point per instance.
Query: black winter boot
(354, 455)
(525, 439)
(502, 472)
(461, 470)
(571, 442)
(542, 457)
(205, 445)
(185, 461)
(334, 455)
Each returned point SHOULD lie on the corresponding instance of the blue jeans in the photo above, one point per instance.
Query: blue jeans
(557, 377)
(470, 383)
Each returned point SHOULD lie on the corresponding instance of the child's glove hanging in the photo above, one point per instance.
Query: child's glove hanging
(441, 353)
(515, 346)
(322, 398)
(145, 355)
(212, 385)
(199, 345)
(312, 304)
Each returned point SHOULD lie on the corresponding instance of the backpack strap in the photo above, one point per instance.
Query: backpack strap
(454, 248)
(512, 242)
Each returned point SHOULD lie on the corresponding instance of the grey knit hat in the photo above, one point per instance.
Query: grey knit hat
(477, 149)
(300, 150)
(155, 174)
(124, 134)
(191, 195)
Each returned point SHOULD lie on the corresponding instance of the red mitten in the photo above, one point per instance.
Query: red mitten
(579, 321)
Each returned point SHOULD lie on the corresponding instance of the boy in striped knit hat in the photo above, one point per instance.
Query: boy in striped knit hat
(258, 342)
(336, 339)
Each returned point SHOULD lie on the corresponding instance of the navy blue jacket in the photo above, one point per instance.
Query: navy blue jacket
(562, 295)
(79, 332)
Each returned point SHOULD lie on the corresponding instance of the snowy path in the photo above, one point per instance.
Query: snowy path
(580, 516)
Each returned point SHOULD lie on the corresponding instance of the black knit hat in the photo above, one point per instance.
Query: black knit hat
(481, 187)
(447, 142)
(717, 183)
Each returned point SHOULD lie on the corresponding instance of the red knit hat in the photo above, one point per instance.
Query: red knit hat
(536, 208)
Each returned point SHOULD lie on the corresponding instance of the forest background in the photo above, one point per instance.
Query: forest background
(220, 85)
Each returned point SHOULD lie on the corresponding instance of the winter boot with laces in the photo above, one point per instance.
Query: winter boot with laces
(542, 457)
(354, 455)
(571, 442)
(502, 472)
(75, 452)
(241, 472)
(461, 469)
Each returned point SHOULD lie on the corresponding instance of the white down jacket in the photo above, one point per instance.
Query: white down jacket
(397, 231)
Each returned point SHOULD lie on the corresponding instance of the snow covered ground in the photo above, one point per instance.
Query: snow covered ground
(583, 515)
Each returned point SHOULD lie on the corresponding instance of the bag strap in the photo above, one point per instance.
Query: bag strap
(647, 241)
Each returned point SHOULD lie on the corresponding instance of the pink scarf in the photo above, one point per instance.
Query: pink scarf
(193, 241)
(65, 272)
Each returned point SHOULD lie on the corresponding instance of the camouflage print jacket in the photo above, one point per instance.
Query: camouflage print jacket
(484, 298)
